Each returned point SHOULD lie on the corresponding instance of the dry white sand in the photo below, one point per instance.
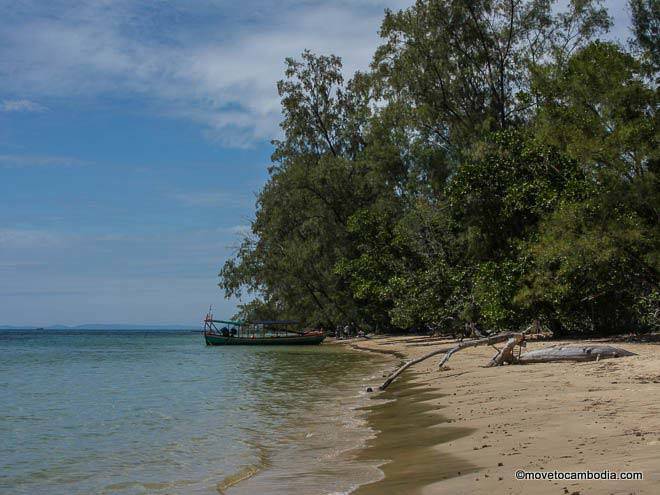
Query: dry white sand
(543, 417)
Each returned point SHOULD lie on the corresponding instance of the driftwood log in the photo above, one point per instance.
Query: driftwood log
(572, 353)
(408, 364)
(492, 340)
(447, 351)
(506, 355)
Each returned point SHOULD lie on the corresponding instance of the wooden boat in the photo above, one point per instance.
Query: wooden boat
(302, 339)
(264, 332)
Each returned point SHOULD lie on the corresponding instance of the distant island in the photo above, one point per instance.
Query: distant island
(99, 326)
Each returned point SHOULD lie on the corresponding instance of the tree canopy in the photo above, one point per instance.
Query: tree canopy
(497, 164)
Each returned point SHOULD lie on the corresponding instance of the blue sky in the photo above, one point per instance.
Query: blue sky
(134, 135)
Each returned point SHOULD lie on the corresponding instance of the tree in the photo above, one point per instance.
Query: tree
(646, 28)
(600, 111)
(498, 164)
(594, 268)
(497, 201)
(596, 261)
(463, 67)
(316, 182)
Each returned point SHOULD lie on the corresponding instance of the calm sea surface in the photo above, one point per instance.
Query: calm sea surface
(158, 412)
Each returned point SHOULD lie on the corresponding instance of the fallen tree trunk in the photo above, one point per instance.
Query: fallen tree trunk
(494, 339)
(408, 364)
(577, 353)
(448, 351)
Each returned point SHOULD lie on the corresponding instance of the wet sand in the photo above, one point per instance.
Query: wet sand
(467, 429)
(410, 427)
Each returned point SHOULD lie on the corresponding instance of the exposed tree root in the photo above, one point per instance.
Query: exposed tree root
(505, 355)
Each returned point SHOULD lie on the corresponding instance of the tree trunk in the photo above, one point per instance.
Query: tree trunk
(408, 364)
(501, 337)
(573, 353)
(449, 351)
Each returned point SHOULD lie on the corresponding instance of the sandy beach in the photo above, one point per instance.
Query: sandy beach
(467, 429)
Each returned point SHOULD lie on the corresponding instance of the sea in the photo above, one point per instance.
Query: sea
(158, 412)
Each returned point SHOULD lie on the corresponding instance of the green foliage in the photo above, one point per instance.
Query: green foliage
(498, 164)
(462, 67)
(498, 197)
(600, 111)
(496, 202)
(646, 27)
(594, 268)
(427, 290)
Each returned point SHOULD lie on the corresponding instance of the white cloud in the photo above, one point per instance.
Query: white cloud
(214, 62)
(21, 106)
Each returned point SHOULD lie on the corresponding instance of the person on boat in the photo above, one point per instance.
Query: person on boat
(225, 332)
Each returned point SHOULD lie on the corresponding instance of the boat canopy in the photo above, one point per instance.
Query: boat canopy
(259, 329)
(229, 322)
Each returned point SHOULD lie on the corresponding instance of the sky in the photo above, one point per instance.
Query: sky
(134, 137)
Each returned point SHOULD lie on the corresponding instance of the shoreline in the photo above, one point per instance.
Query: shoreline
(319, 450)
(467, 429)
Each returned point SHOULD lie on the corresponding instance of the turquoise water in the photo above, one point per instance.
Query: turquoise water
(135, 412)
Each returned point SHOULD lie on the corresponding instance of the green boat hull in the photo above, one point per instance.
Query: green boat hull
(288, 340)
